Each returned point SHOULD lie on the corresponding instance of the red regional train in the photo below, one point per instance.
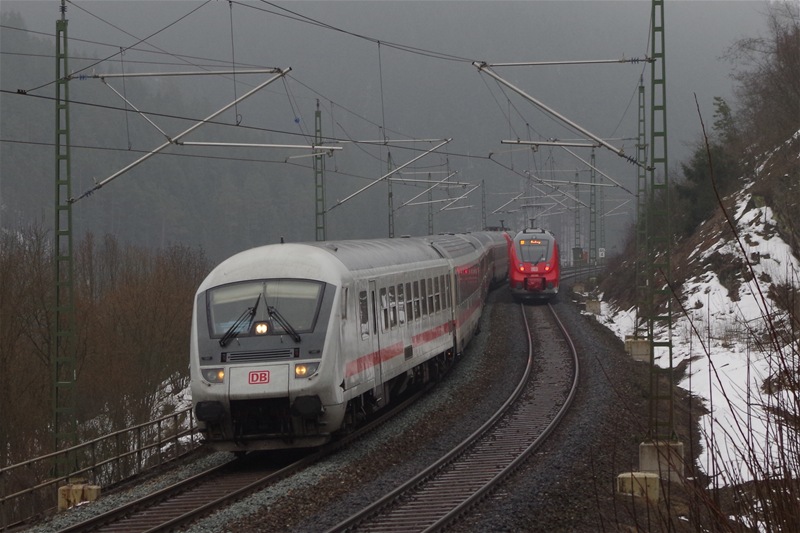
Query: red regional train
(292, 343)
(534, 268)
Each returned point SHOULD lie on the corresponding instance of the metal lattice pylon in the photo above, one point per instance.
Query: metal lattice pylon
(319, 177)
(659, 235)
(390, 194)
(62, 345)
(593, 211)
(642, 282)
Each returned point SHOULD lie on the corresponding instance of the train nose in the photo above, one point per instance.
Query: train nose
(209, 411)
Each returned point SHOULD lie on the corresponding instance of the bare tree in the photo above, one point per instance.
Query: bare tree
(768, 73)
(133, 312)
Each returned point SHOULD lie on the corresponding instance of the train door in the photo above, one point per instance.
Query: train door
(453, 297)
(375, 306)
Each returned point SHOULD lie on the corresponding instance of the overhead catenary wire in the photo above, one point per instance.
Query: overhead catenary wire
(406, 48)
(393, 171)
(123, 31)
(482, 67)
(295, 16)
(530, 176)
(184, 57)
(379, 43)
(206, 156)
(390, 142)
(176, 138)
(298, 17)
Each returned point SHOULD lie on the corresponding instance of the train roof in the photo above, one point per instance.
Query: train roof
(378, 253)
(330, 260)
(535, 231)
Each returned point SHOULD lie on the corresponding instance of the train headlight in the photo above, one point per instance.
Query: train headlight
(547, 268)
(522, 268)
(213, 375)
(305, 370)
(261, 328)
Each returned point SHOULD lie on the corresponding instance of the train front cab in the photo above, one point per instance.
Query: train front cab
(534, 269)
(257, 386)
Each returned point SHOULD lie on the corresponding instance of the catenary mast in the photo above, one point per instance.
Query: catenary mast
(62, 344)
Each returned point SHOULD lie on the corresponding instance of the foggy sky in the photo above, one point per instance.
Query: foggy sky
(368, 89)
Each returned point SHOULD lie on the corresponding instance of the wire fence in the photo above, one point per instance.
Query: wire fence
(29, 489)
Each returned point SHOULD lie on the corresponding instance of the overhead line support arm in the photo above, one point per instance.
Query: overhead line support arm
(174, 140)
(394, 171)
(483, 67)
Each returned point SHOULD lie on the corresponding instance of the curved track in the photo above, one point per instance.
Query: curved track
(444, 491)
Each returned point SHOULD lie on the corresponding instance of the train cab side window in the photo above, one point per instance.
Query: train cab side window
(417, 309)
(423, 297)
(345, 291)
(409, 303)
(401, 305)
(448, 295)
(363, 311)
(392, 307)
(437, 295)
(384, 303)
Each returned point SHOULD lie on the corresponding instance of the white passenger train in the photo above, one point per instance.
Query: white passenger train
(292, 343)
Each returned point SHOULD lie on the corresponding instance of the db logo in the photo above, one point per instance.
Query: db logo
(258, 377)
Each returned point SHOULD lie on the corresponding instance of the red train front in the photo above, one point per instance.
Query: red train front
(533, 266)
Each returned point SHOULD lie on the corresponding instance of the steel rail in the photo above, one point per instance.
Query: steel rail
(444, 491)
(192, 498)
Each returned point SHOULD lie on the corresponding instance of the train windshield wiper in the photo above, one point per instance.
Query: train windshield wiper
(277, 316)
(235, 328)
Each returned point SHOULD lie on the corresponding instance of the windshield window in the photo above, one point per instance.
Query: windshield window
(533, 250)
(297, 301)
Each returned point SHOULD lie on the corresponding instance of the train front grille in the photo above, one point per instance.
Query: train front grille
(261, 417)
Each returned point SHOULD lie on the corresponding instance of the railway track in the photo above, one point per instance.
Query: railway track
(188, 500)
(447, 489)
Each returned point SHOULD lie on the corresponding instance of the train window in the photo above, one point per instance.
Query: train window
(409, 302)
(401, 305)
(417, 309)
(363, 310)
(423, 297)
(384, 303)
(392, 306)
(448, 294)
(298, 301)
(533, 250)
(430, 296)
(345, 290)
(437, 299)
